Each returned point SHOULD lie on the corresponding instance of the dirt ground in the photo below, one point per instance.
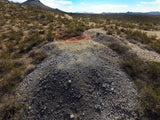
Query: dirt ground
(79, 80)
(157, 33)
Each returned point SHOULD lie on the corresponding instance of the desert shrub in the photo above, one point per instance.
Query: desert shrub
(12, 35)
(11, 110)
(5, 55)
(7, 66)
(133, 65)
(37, 57)
(118, 48)
(110, 31)
(146, 75)
(15, 35)
(42, 16)
(73, 32)
(4, 36)
(10, 46)
(50, 36)
(33, 40)
(145, 27)
(118, 31)
(80, 29)
(153, 72)
(140, 36)
(122, 30)
(41, 32)
(10, 81)
(155, 45)
(44, 23)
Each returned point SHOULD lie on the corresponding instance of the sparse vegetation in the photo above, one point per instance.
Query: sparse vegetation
(156, 45)
(118, 48)
(24, 29)
(146, 75)
(140, 36)
(37, 57)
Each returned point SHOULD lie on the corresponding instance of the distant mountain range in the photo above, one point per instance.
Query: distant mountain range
(137, 13)
(38, 4)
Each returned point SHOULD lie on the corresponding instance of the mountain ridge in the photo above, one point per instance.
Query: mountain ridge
(136, 13)
(38, 4)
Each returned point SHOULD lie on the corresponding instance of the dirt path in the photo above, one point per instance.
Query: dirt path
(79, 81)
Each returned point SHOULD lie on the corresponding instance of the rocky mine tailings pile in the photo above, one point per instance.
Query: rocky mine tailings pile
(79, 80)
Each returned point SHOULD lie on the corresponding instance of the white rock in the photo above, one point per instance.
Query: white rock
(69, 81)
(71, 116)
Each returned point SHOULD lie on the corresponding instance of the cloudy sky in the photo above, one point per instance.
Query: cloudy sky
(98, 6)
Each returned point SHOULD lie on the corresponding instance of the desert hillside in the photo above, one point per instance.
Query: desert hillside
(81, 80)
(69, 66)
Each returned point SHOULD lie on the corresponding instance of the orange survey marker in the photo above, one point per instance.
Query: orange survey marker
(77, 38)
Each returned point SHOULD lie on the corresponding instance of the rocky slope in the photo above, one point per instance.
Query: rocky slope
(79, 80)
(38, 4)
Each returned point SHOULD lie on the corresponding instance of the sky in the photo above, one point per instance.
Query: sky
(99, 6)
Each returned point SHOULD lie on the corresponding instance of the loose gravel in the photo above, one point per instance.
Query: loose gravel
(79, 80)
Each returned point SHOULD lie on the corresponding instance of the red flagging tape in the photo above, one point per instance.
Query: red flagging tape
(77, 38)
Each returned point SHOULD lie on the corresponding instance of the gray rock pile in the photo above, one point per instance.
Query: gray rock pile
(79, 81)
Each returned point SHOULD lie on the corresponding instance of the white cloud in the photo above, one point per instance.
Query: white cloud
(50, 3)
(100, 8)
(138, 5)
(65, 2)
(152, 2)
(109, 6)
(82, 3)
(69, 6)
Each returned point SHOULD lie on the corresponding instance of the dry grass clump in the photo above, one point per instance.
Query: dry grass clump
(156, 45)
